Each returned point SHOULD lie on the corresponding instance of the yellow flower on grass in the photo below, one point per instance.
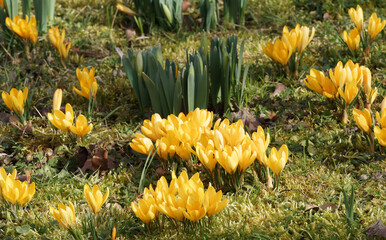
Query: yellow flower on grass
(380, 134)
(64, 215)
(292, 37)
(57, 40)
(24, 28)
(15, 100)
(95, 198)
(261, 143)
(57, 102)
(363, 120)
(142, 144)
(246, 154)
(154, 128)
(356, 16)
(375, 25)
(321, 84)
(212, 201)
(353, 39)
(60, 120)
(195, 209)
(15, 191)
(87, 83)
(206, 156)
(165, 148)
(278, 159)
(228, 159)
(349, 93)
(146, 209)
(381, 117)
(306, 38)
(280, 51)
(81, 128)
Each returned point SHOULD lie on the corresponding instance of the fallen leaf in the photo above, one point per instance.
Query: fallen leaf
(377, 229)
(186, 5)
(81, 156)
(278, 89)
(161, 172)
(248, 119)
(99, 160)
(130, 34)
(321, 207)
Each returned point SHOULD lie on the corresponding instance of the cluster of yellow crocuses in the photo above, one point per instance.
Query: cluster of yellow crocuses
(344, 82)
(15, 100)
(23, 28)
(64, 120)
(184, 198)
(15, 191)
(364, 122)
(375, 26)
(225, 143)
(65, 215)
(26, 29)
(57, 39)
(297, 39)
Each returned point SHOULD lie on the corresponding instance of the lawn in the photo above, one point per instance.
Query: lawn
(331, 187)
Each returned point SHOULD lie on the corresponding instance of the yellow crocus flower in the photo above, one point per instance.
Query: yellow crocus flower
(60, 120)
(165, 148)
(65, 215)
(57, 101)
(349, 93)
(280, 51)
(228, 159)
(292, 37)
(154, 128)
(206, 156)
(146, 209)
(375, 25)
(381, 118)
(15, 100)
(195, 209)
(24, 28)
(212, 201)
(183, 150)
(246, 153)
(363, 120)
(321, 84)
(353, 39)
(1, 3)
(57, 40)
(380, 134)
(87, 82)
(261, 144)
(356, 16)
(15, 191)
(142, 144)
(81, 128)
(306, 38)
(200, 118)
(95, 198)
(277, 159)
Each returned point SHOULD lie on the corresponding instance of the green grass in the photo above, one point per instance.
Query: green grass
(326, 156)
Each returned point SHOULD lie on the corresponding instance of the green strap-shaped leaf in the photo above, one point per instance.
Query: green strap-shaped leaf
(191, 89)
(177, 99)
(154, 95)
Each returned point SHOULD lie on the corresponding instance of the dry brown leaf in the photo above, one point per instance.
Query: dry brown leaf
(248, 119)
(377, 229)
(321, 207)
(278, 89)
(186, 5)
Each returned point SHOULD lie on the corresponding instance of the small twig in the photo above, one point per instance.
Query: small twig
(6, 51)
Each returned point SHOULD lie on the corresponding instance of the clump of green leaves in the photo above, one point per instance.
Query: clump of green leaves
(164, 13)
(225, 67)
(209, 12)
(155, 84)
(234, 11)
